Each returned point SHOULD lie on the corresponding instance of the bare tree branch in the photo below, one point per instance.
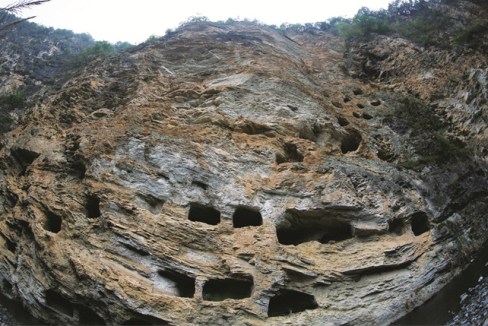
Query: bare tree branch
(15, 23)
(16, 7)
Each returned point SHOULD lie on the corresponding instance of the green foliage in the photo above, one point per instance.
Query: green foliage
(421, 21)
(5, 122)
(13, 100)
(98, 50)
(8, 102)
(406, 8)
(469, 35)
(426, 131)
(364, 23)
(152, 39)
(120, 46)
(424, 27)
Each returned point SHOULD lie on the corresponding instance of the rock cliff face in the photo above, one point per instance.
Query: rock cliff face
(231, 174)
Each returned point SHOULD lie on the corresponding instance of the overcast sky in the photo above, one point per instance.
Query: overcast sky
(136, 20)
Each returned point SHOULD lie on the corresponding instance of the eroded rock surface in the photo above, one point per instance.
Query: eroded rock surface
(231, 174)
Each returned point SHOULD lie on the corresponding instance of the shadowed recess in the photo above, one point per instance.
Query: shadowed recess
(53, 222)
(342, 121)
(245, 216)
(219, 290)
(78, 169)
(7, 287)
(289, 301)
(58, 303)
(11, 246)
(176, 284)
(420, 223)
(204, 214)
(351, 141)
(144, 320)
(291, 154)
(92, 206)
(89, 317)
(396, 226)
(24, 156)
(316, 225)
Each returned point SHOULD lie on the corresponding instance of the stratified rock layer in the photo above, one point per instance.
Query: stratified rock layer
(233, 175)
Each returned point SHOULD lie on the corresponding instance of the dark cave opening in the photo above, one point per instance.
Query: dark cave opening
(7, 287)
(245, 216)
(420, 223)
(351, 141)
(342, 121)
(78, 169)
(89, 317)
(23, 156)
(143, 320)
(222, 289)
(305, 226)
(92, 206)
(396, 226)
(53, 222)
(11, 246)
(291, 154)
(204, 214)
(290, 301)
(184, 285)
(58, 303)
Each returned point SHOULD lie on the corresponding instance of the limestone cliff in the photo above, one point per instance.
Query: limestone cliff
(232, 174)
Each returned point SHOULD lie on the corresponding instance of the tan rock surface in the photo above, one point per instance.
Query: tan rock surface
(231, 174)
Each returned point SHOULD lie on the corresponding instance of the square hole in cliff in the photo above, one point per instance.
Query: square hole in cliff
(396, 226)
(92, 206)
(222, 289)
(245, 216)
(176, 284)
(351, 141)
(315, 225)
(52, 222)
(420, 223)
(290, 301)
(204, 214)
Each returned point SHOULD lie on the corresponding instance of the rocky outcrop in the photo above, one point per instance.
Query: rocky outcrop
(233, 174)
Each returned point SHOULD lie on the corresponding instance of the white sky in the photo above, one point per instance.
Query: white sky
(135, 20)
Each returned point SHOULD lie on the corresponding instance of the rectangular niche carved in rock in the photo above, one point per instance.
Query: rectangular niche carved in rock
(290, 301)
(315, 225)
(176, 284)
(52, 222)
(92, 206)
(245, 216)
(420, 223)
(204, 214)
(222, 289)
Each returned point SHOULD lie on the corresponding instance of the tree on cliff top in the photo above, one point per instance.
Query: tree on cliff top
(14, 9)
